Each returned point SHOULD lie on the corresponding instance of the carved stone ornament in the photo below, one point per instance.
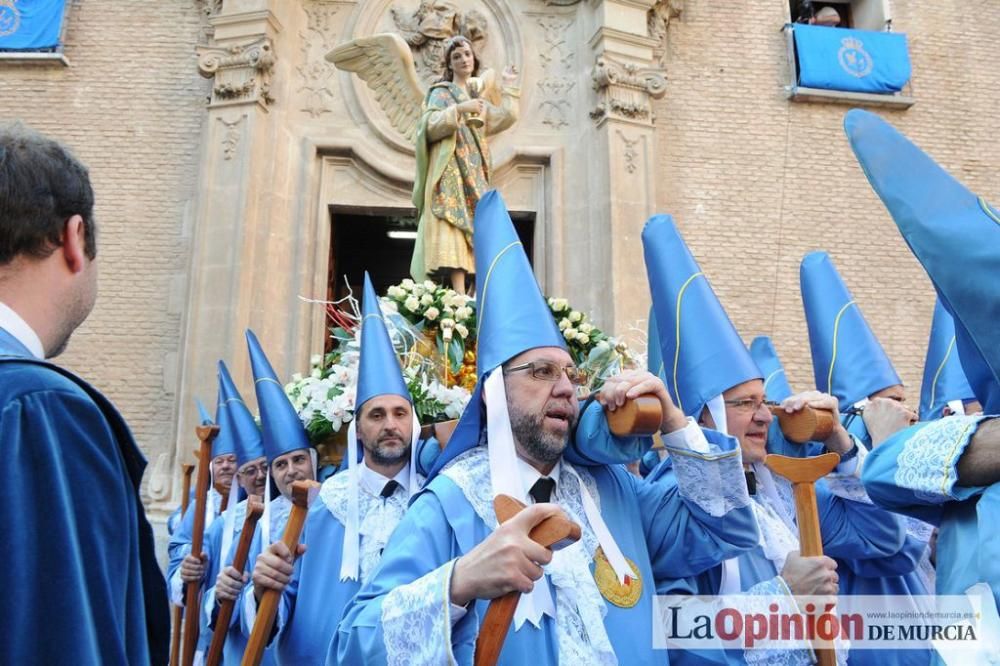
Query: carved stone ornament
(624, 90)
(658, 23)
(242, 72)
(428, 29)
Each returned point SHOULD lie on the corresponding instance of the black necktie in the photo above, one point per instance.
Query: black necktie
(390, 488)
(542, 490)
(751, 481)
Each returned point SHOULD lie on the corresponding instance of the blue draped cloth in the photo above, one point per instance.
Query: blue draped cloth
(84, 583)
(851, 60)
(31, 24)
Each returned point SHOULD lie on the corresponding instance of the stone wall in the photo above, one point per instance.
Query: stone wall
(131, 106)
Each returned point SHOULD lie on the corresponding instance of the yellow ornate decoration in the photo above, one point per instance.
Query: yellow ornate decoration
(623, 596)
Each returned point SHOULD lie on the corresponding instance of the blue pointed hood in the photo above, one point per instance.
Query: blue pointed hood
(282, 431)
(848, 360)
(237, 420)
(512, 314)
(204, 418)
(944, 380)
(953, 233)
(702, 353)
(776, 385)
(223, 444)
(379, 372)
(654, 358)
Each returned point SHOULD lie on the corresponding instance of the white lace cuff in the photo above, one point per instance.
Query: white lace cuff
(927, 463)
(417, 620)
(715, 483)
(177, 588)
(456, 613)
(776, 591)
(688, 438)
(845, 480)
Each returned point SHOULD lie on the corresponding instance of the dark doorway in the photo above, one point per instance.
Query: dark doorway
(382, 243)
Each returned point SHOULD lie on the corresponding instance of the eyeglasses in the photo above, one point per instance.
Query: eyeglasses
(256, 470)
(748, 405)
(550, 371)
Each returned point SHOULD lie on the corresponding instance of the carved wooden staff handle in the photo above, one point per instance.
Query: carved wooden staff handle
(641, 416)
(302, 495)
(809, 424)
(254, 510)
(192, 595)
(178, 611)
(554, 532)
(803, 473)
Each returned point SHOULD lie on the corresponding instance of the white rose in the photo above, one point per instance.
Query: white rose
(412, 304)
(569, 333)
(586, 328)
(429, 285)
(575, 316)
(583, 339)
(462, 330)
(390, 306)
(447, 322)
(559, 304)
(564, 324)
(316, 373)
(417, 290)
(394, 292)
(316, 359)
(426, 299)
(431, 314)
(297, 377)
(407, 283)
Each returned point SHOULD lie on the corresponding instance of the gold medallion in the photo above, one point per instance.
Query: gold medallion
(623, 596)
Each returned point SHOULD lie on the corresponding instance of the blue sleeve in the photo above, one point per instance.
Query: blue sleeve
(593, 443)
(857, 530)
(915, 471)
(180, 542)
(685, 536)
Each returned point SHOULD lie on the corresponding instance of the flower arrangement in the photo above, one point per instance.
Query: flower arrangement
(433, 330)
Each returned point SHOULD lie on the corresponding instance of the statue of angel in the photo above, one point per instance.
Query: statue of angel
(449, 125)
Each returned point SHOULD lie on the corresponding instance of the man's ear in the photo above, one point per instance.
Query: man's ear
(74, 244)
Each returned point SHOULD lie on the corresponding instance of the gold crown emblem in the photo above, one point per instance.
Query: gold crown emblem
(852, 43)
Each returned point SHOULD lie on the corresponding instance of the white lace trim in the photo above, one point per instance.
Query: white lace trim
(926, 465)
(580, 609)
(416, 628)
(379, 518)
(715, 485)
(776, 539)
(775, 590)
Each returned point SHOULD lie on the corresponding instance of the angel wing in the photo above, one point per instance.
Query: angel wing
(385, 63)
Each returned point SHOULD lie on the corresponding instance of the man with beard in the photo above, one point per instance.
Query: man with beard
(290, 458)
(588, 603)
(84, 585)
(346, 531)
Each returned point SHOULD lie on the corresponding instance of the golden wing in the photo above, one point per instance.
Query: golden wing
(385, 63)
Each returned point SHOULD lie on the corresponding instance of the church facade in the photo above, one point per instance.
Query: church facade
(242, 179)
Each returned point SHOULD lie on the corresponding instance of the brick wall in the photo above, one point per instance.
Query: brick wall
(756, 181)
(131, 106)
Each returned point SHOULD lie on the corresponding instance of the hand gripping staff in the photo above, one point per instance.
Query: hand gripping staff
(803, 473)
(303, 493)
(192, 595)
(554, 532)
(254, 510)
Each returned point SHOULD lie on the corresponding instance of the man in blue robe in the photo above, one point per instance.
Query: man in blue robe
(714, 377)
(290, 458)
(947, 471)
(84, 584)
(348, 528)
(591, 602)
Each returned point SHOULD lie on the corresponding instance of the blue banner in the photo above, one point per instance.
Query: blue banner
(30, 24)
(851, 60)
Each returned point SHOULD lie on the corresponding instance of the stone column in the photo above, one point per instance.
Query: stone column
(233, 215)
(625, 78)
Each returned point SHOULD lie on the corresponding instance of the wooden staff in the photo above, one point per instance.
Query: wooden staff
(192, 596)
(808, 424)
(803, 473)
(641, 416)
(302, 494)
(554, 532)
(254, 510)
(178, 611)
